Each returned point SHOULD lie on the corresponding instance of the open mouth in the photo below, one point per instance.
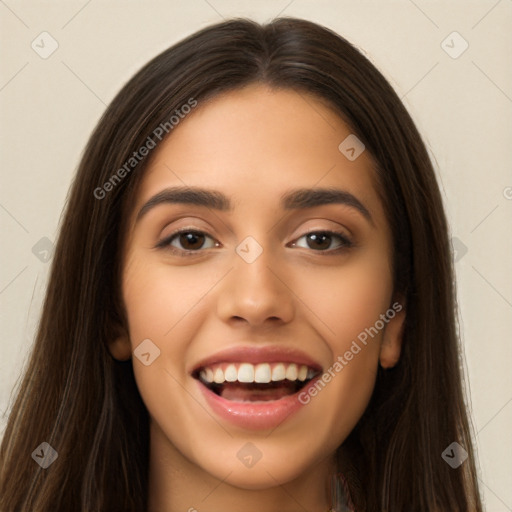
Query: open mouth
(245, 382)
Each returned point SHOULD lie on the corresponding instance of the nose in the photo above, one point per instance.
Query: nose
(258, 293)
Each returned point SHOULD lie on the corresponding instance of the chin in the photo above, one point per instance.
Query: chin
(270, 466)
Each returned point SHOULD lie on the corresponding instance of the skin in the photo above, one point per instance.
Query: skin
(254, 144)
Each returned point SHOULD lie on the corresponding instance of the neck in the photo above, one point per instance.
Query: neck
(176, 484)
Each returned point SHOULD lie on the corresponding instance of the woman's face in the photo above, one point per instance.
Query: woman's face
(282, 272)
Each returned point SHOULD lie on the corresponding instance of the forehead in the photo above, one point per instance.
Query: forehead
(255, 144)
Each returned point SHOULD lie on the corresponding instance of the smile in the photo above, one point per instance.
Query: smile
(246, 382)
(255, 388)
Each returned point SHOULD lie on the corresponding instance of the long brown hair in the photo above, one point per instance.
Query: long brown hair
(86, 405)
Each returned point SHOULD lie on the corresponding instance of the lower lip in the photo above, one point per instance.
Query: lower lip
(255, 415)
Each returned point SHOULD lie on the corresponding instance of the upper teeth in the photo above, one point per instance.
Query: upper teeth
(260, 373)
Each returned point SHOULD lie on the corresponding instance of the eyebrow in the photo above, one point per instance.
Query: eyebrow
(301, 198)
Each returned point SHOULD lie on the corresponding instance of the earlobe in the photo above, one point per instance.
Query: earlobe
(120, 348)
(392, 338)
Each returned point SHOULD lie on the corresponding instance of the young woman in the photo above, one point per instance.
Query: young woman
(251, 303)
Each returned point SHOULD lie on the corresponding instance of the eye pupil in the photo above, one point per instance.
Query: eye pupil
(189, 240)
(320, 240)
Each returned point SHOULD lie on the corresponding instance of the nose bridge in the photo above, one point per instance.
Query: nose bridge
(254, 290)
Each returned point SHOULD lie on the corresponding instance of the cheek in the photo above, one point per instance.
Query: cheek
(167, 307)
(347, 299)
(160, 300)
(349, 302)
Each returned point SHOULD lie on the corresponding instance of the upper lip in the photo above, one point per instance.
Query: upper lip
(255, 355)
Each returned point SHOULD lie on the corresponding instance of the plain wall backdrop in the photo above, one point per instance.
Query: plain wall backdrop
(448, 60)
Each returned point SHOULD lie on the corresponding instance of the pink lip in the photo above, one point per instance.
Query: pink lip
(255, 355)
(255, 415)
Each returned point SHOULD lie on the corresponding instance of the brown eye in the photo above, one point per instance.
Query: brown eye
(319, 241)
(191, 241)
(187, 241)
(322, 241)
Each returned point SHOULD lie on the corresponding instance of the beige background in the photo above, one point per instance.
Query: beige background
(462, 107)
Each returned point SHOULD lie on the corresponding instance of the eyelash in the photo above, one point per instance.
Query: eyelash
(346, 243)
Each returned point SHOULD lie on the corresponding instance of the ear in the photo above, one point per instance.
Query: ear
(119, 345)
(392, 338)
